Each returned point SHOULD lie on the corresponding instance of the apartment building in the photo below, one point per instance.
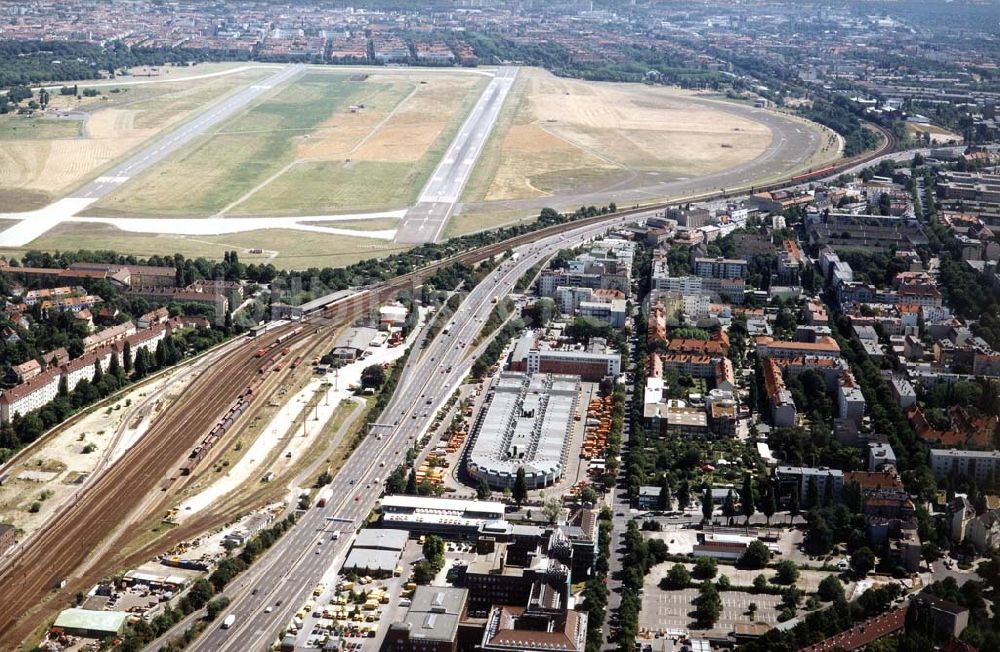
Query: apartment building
(966, 463)
(720, 267)
(824, 346)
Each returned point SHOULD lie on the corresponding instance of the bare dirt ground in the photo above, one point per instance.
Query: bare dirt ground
(939, 135)
(35, 170)
(557, 135)
(56, 469)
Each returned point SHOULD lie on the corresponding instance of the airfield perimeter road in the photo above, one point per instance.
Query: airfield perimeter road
(293, 566)
(425, 221)
(28, 229)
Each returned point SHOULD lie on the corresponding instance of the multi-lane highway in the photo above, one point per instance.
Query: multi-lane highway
(425, 221)
(288, 572)
(41, 221)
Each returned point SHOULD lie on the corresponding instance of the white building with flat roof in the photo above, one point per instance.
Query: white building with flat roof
(975, 464)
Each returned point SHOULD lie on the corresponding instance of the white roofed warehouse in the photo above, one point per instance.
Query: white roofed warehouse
(527, 423)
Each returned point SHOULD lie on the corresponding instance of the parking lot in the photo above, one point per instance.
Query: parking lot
(673, 610)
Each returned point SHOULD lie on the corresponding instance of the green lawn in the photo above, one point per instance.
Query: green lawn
(19, 127)
(296, 249)
(323, 187)
(244, 152)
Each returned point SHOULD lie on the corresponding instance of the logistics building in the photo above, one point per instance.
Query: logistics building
(527, 423)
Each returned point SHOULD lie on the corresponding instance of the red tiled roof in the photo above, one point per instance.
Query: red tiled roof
(863, 634)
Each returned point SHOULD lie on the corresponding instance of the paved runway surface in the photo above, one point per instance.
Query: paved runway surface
(41, 221)
(426, 220)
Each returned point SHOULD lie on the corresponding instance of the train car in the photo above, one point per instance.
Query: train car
(286, 351)
(296, 362)
(814, 174)
(279, 366)
(260, 353)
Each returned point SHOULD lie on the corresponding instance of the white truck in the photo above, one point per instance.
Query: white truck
(228, 622)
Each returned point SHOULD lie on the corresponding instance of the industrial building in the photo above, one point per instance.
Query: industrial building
(376, 551)
(440, 515)
(527, 423)
(91, 624)
(434, 623)
(594, 363)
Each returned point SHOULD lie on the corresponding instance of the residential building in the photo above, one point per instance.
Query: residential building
(768, 347)
(828, 481)
(720, 267)
(965, 463)
(783, 412)
(850, 399)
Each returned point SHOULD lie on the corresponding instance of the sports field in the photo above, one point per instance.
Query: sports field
(322, 144)
(45, 157)
(558, 136)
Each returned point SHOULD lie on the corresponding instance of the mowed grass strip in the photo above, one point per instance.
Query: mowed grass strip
(19, 127)
(246, 150)
(43, 159)
(388, 170)
(295, 249)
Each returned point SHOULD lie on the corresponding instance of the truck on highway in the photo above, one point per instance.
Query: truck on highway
(228, 622)
(325, 495)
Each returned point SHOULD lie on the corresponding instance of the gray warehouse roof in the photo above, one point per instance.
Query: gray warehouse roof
(367, 559)
(382, 539)
(527, 424)
(434, 613)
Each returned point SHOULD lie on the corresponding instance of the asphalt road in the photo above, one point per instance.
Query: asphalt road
(425, 221)
(290, 570)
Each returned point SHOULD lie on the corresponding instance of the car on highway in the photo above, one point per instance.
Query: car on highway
(268, 610)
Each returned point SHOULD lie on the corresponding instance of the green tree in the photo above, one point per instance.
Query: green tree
(747, 498)
(830, 589)
(483, 490)
(862, 561)
(373, 376)
(729, 507)
(768, 503)
(114, 367)
(756, 556)
(678, 577)
(98, 373)
(683, 495)
(706, 568)
(706, 506)
(793, 505)
(520, 490)
(423, 573)
(787, 572)
(433, 550)
(552, 509)
(708, 605)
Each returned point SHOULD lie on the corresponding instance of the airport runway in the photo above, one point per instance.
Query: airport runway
(42, 220)
(425, 221)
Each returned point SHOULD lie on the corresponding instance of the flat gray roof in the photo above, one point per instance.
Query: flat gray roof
(369, 559)
(382, 539)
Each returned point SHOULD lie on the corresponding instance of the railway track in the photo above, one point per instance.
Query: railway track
(93, 532)
(95, 529)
